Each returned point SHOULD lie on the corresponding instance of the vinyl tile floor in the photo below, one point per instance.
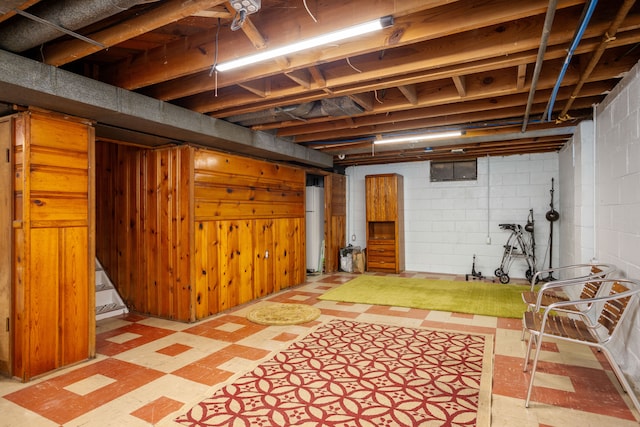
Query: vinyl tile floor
(150, 370)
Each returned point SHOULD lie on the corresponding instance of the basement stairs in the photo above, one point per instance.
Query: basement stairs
(108, 301)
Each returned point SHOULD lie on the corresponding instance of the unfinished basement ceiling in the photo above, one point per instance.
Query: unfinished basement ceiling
(443, 64)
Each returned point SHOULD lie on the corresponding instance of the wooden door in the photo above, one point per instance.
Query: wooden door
(335, 220)
(289, 244)
(263, 273)
(206, 261)
(5, 244)
(236, 263)
(53, 311)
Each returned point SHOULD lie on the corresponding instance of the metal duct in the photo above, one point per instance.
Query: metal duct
(336, 107)
(273, 115)
(20, 33)
(343, 106)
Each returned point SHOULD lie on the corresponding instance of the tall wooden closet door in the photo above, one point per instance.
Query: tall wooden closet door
(6, 190)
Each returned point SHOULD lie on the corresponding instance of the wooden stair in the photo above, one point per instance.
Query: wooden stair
(108, 301)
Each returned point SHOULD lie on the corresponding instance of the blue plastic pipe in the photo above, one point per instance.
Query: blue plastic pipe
(574, 45)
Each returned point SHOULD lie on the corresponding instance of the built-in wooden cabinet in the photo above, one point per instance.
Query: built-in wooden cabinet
(52, 321)
(186, 233)
(385, 222)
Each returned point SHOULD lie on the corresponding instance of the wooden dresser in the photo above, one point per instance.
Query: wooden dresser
(385, 223)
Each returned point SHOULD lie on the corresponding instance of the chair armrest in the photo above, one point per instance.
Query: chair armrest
(606, 270)
(551, 287)
(590, 303)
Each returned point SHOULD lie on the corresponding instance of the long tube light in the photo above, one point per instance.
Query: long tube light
(417, 138)
(357, 30)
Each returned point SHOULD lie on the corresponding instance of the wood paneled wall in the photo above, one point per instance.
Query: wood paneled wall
(186, 233)
(54, 272)
(249, 229)
(143, 226)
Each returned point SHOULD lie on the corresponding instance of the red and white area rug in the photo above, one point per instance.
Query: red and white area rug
(348, 373)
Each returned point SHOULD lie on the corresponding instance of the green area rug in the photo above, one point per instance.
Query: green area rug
(489, 299)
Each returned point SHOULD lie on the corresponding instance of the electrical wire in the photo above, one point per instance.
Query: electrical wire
(308, 11)
(238, 20)
(375, 94)
(351, 65)
(215, 59)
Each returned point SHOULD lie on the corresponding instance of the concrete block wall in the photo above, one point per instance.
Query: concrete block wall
(617, 201)
(577, 185)
(446, 223)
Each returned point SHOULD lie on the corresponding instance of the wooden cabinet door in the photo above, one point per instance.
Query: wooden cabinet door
(263, 250)
(54, 244)
(381, 195)
(236, 262)
(290, 250)
(207, 269)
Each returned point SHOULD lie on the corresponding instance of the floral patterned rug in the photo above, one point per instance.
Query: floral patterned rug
(348, 373)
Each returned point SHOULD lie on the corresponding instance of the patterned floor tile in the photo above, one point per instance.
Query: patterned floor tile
(157, 410)
(127, 337)
(148, 370)
(52, 400)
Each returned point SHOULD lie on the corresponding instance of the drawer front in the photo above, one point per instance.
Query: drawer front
(380, 247)
(381, 265)
(381, 255)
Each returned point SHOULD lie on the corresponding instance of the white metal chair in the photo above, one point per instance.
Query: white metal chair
(560, 320)
(554, 291)
(572, 283)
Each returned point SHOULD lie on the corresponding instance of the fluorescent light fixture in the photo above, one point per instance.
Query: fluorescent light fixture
(418, 138)
(357, 30)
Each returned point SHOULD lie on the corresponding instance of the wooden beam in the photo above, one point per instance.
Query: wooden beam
(430, 122)
(261, 88)
(440, 63)
(459, 82)
(23, 6)
(167, 12)
(522, 74)
(365, 100)
(317, 75)
(215, 12)
(388, 76)
(441, 94)
(279, 26)
(301, 77)
(290, 26)
(292, 128)
(249, 30)
(409, 92)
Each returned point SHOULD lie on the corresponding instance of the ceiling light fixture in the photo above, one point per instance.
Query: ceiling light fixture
(418, 138)
(356, 30)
